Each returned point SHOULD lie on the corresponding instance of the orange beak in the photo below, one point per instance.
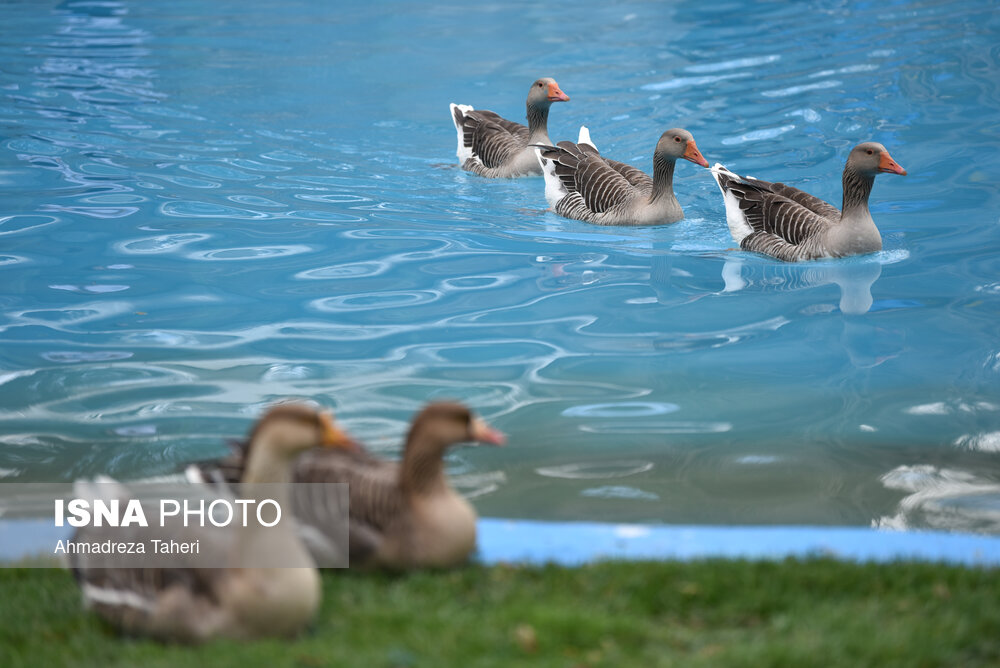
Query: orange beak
(694, 155)
(484, 433)
(334, 437)
(556, 95)
(890, 166)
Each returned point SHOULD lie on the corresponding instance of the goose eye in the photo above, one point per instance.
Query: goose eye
(677, 139)
(870, 151)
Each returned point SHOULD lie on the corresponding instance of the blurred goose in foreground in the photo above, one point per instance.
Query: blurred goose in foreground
(582, 184)
(792, 225)
(494, 147)
(402, 514)
(200, 603)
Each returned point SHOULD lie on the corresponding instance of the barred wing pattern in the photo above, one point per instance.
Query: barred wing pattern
(127, 597)
(593, 186)
(493, 140)
(814, 204)
(786, 223)
(376, 500)
(636, 177)
(130, 597)
(374, 495)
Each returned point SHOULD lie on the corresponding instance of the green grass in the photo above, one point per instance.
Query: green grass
(711, 613)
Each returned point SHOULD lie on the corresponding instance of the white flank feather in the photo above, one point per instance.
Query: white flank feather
(584, 137)
(554, 189)
(93, 595)
(464, 152)
(737, 221)
(102, 487)
(194, 475)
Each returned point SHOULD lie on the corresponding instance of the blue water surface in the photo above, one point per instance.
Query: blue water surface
(209, 206)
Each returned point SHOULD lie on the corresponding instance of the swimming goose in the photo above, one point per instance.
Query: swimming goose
(792, 225)
(200, 603)
(402, 514)
(494, 147)
(582, 184)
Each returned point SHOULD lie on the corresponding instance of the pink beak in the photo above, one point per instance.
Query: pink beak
(486, 434)
(556, 95)
(888, 165)
(694, 155)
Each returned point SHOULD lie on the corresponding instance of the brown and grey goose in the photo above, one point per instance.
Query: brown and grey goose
(792, 225)
(492, 146)
(582, 184)
(403, 514)
(200, 603)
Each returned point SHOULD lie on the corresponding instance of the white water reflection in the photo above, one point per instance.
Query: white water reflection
(619, 492)
(942, 498)
(629, 409)
(595, 470)
(983, 442)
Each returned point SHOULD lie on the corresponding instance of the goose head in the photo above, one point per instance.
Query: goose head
(678, 143)
(443, 423)
(871, 158)
(544, 92)
(286, 430)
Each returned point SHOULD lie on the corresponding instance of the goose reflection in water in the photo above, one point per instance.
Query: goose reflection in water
(855, 279)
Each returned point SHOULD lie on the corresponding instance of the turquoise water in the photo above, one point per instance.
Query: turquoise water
(208, 206)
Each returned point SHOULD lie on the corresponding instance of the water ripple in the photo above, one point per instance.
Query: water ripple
(942, 498)
(657, 427)
(221, 172)
(12, 259)
(165, 243)
(249, 253)
(22, 223)
(191, 209)
(622, 409)
(619, 492)
(374, 301)
(73, 357)
(340, 271)
(595, 470)
(797, 90)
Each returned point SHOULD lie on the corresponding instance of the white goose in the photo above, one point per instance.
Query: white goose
(197, 604)
(494, 147)
(792, 225)
(582, 184)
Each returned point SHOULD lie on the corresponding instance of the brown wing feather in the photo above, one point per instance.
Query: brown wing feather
(769, 211)
(636, 177)
(584, 172)
(132, 592)
(814, 204)
(375, 496)
(601, 186)
(492, 138)
(517, 129)
(775, 246)
(127, 597)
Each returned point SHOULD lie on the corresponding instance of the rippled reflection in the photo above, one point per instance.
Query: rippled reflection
(596, 470)
(943, 498)
(854, 277)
